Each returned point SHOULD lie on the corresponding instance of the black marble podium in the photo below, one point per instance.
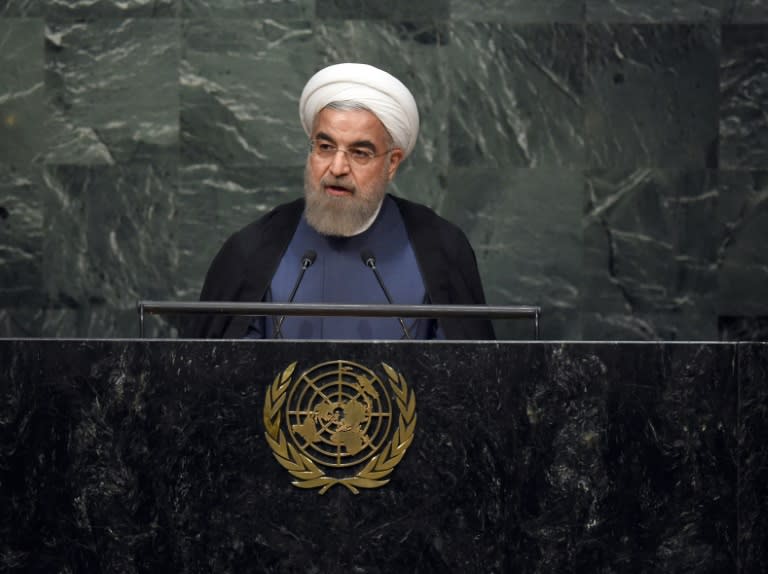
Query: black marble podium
(150, 456)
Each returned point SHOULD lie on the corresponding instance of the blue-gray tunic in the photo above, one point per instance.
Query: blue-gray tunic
(339, 275)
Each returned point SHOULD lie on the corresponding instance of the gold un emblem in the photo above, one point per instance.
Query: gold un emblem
(338, 423)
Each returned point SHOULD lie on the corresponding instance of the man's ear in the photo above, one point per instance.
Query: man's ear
(395, 157)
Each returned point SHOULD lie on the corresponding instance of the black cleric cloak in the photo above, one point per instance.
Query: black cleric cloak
(243, 269)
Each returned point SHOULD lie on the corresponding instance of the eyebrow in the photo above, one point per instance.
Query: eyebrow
(360, 143)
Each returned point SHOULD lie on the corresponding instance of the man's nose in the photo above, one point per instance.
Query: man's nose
(339, 163)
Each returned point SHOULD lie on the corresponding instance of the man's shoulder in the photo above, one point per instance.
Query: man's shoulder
(411, 207)
(280, 220)
(418, 216)
(283, 214)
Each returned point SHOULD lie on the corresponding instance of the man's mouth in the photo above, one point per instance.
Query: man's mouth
(337, 190)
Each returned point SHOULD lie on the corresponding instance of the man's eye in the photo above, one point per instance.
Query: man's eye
(326, 147)
(359, 153)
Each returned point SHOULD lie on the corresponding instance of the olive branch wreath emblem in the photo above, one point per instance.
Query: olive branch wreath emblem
(307, 473)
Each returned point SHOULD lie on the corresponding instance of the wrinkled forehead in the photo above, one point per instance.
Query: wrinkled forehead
(350, 126)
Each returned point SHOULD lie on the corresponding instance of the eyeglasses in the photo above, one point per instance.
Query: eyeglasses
(358, 155)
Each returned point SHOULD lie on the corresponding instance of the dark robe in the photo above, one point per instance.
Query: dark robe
(338, 275)
(246, 263)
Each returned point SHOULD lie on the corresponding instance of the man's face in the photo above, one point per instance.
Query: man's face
(341, 194)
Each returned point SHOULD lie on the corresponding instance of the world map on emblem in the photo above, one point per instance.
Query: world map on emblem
(339, 414)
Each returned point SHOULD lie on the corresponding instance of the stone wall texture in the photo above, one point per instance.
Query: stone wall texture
(608, 160)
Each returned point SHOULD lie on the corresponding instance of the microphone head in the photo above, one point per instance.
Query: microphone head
(308, 258)
(368, 258)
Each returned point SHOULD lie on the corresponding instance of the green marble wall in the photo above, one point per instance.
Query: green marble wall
(607, 159)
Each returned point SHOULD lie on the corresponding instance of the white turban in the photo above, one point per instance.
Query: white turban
(382, 93)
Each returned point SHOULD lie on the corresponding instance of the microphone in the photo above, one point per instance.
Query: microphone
(306, 262)
(370, 261)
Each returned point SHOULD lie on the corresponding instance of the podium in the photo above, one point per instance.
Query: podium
(527, 457)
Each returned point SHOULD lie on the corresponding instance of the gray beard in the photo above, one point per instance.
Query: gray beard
(338, 216)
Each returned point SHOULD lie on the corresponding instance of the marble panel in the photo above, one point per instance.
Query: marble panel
(517, 10)
(652, 95)
(651, 243)
(744, 97)
(112, 89)
(607, 325)
(21, 237)
(517, 94)
(654, 11)
(24, 322)
(423, 184)
(540, 458)
(500, 85)
(745, 11)
(742, 258)
(111, 8)
(218, 201)
(753, 458)
(525, 227)
(22, 134)
(151, 462)
(627, 459)
(240, 87)
(279, 9)
(110, 235)
(102, 321)
(420, 64)
(21, 8)
(58, 406)
(198, 235)
(398, 10)
(742, 328)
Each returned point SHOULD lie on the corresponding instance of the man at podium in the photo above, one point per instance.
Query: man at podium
(348, 240)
